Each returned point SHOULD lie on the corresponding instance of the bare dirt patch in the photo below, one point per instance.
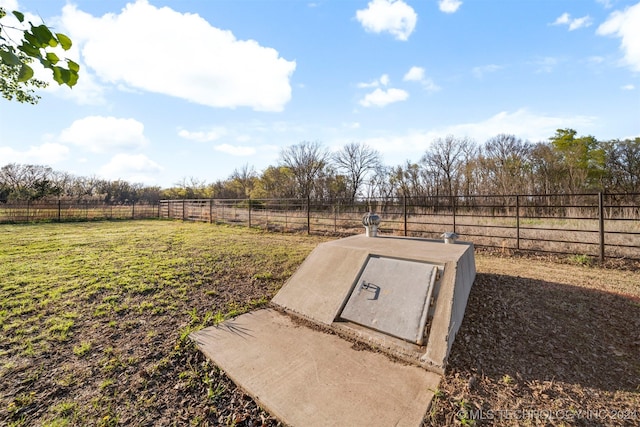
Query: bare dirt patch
(545, 343)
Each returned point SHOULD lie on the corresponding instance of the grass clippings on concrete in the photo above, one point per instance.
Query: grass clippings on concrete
(95, 317)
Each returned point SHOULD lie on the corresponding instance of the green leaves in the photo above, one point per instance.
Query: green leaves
(25, 73)
(9, 58)
(36, 44)
(19, 15)
(65, 41)
(52, 57)
(44, 36)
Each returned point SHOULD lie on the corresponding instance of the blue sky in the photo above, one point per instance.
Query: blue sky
(179, 89)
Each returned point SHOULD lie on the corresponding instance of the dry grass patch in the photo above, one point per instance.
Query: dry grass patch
(545, 343)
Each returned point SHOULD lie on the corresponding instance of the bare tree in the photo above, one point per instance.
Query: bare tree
(306, 161)
(546, 173)
(379, 183)
(356, 160)
(623, 165)
(505, 159)
(406, 180)
(188, 188)
(27, 181)
(244, 179)
(446, 157)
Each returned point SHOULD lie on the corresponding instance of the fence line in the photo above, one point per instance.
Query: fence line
(599, 225)
(73, 210)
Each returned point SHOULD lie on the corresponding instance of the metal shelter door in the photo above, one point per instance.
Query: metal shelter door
(393, 296)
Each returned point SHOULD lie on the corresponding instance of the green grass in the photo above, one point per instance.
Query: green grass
(115, 299)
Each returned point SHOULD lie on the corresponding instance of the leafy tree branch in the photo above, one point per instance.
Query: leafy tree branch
(37, 44)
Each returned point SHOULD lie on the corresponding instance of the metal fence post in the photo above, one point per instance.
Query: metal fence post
(308, 215)
(133, 210)
(59, 213)
(210, 211)
(601, 223)
(404, 213)
(453, 211)
(286, 215)
(184, 211)
(517, 222)
(249, 212)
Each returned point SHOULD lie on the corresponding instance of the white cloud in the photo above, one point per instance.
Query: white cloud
(449, 6)
(583, 22)
(605, 3)
(235, 150)
(382, 81)
(626, 26)
(181, 55)
(132, 168)
(562, 19)
(391, 16)
(574, 24)
(522, 123)
(9, 5)
(201, 136)
(88, 91)
(47, 153)
(628, 87)
(417, 74)
(100, 134)
(479, 72)
(380, 98)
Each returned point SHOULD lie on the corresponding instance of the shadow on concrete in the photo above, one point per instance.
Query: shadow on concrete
(538, 330)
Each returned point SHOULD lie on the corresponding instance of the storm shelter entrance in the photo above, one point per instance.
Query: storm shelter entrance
(393, 296)
(403, 296)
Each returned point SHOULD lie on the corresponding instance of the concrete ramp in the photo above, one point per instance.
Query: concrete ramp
(404, 297)
(306, 377)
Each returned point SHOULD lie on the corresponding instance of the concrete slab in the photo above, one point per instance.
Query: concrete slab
(320, 289)
(306, 377)
(325, 272)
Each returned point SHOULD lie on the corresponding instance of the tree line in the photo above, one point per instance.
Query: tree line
(451, 166)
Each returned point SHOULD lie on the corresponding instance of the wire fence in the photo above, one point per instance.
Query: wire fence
(598, 225)
(73, 210)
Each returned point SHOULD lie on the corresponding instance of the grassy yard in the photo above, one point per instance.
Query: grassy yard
(95, 317)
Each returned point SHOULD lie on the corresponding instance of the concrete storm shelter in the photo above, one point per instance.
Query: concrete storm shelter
(304, 360)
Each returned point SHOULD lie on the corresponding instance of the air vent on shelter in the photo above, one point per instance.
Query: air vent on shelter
(393, 296)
